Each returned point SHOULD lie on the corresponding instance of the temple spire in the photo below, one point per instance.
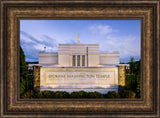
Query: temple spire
(78, 39)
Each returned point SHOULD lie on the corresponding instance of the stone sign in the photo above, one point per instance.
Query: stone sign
(101, 79)
(80, 77)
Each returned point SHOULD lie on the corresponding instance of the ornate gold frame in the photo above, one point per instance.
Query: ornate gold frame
(13, 11)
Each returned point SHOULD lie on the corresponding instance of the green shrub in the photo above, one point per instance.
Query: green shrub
(22, 87)
(66, 94)
(78, 94)
(94, 95)
(112, 94)
(61, 94)
(138, 87)
(29, 94)
(53, 94)
(48, 94)
(40, 95)
(127, 94)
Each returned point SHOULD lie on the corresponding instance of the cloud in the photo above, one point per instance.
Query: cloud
(33, 45)
(127, 46)
(49, 41)
(70, 41)
(101, 29)
(28, 38)
(30, 52)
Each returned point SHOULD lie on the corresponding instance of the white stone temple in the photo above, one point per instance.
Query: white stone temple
(78, 55)
(77, 67)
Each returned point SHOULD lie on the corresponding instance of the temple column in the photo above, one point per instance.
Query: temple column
(76, 60)
(85, 60)
(80, 60)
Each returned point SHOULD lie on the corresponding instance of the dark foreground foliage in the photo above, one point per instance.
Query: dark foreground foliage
(127, 94)
(79, 94)
(112, 94)
(133, 77)
(25, 79)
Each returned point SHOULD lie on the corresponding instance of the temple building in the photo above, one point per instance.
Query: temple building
(77, 67)
(78, 55)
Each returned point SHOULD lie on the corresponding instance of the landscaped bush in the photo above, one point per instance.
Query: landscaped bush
(48, 94)
(40, 95)
(127, 94)
(95, 95)
(29, 94)
(112, 94)
(78, 94)
(61, 94)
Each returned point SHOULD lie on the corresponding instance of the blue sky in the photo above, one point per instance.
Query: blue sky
(111, 35)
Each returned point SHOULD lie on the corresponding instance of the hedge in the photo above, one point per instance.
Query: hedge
(79, 94)
(112, 94)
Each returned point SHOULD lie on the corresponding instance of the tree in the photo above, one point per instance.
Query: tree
(23, 73)
(134, 79)
(138, 77)
(23, 66)
(132, 64)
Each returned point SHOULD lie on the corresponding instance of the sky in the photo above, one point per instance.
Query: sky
(111, 35)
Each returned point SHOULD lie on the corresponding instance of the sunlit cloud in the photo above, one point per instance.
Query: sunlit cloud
(101, 29)
(125, 45)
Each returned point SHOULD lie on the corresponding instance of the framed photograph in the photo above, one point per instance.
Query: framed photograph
(79, 58)
(103, 63)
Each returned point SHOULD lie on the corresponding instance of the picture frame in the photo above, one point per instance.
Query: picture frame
(13, 11)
